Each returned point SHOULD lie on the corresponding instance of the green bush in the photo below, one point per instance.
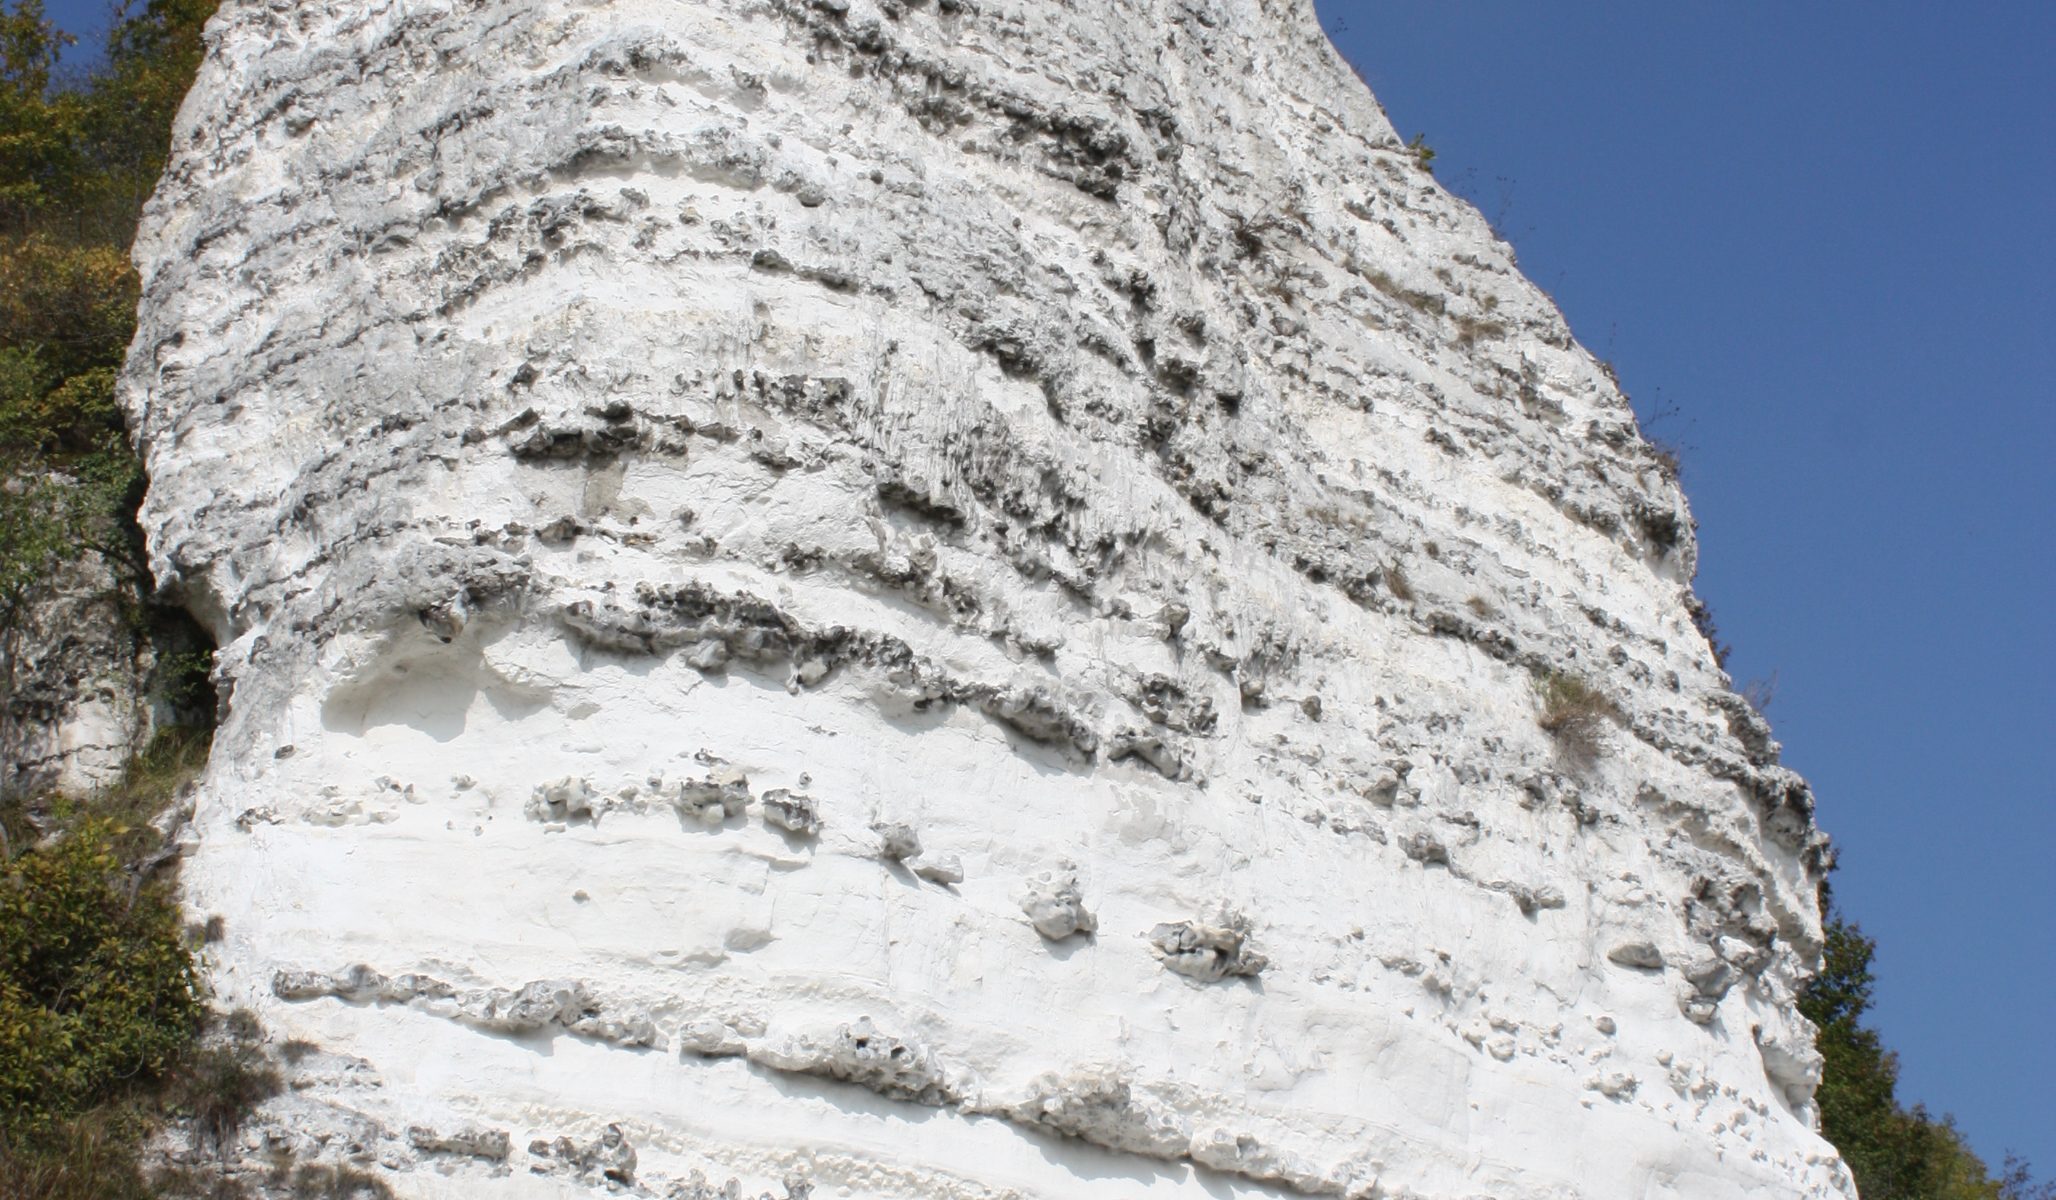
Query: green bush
(97, 990)
(1423, 153)
(76, 164)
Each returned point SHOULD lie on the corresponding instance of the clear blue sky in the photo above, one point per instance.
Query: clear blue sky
(86, 20)
(1817, 240)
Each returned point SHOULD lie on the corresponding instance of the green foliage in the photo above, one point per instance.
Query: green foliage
(1424, 154)
(1895, 1153)
(149, 784)
(76, 165)
(2017, 1182)
(97, 990)
(186, 678)
(67, 477)
(100, 999)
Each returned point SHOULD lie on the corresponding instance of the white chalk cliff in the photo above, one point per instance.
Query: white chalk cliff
(936, 598)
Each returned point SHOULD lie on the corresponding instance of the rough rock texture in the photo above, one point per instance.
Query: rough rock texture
(90, 669)
(69, 679)
(75, 684)
(752, 512)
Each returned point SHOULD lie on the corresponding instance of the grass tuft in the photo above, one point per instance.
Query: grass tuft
(1396, 583)
(1575, 713)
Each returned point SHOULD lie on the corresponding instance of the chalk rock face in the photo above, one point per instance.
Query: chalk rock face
(937, 599)
(88, 674)
(71, 709)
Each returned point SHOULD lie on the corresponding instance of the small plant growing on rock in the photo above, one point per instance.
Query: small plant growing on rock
(1424, 154)
(96, 986)
(1759, 693)
(1472, 330)
(321, 1182)
(219, 1086)
(1397, 584)
(1575, 713)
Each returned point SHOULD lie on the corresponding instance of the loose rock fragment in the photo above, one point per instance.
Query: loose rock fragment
(1099, 1104)
(940, 868)
(710, 1039)
(723, 794)
(1530, 900)
(792, 812)
(494, 1145)
(1641, 955)
(859, 1053)
(1425, 849)
(609, 1158)
(564, 800)
(1150, 748)
(1208, 953)
(897, 841)
(1056, 907)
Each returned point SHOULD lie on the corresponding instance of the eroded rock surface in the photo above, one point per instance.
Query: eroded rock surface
(715, 512)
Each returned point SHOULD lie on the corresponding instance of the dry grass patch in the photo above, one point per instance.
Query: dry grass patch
(1575, 713)
(1396, 583)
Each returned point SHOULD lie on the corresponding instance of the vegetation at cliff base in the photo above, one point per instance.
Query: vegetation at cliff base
(97, 988)
(101, 1006)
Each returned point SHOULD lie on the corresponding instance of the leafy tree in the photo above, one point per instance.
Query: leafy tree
(76, 165)
(1895, 1153)
(99, 996)
(32, 144)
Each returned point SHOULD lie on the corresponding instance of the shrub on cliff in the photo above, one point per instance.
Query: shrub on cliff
(1575, 713)
(97, 990)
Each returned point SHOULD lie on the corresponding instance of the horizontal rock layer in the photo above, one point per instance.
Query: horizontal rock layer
(937, 600)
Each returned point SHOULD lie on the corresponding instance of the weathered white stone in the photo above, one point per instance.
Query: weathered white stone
(1055, 905)
(793, 812)
(1072, 432)
(1208, 952)
(710, 801)
(87, 676)
(490, 1144)
(945, 869)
